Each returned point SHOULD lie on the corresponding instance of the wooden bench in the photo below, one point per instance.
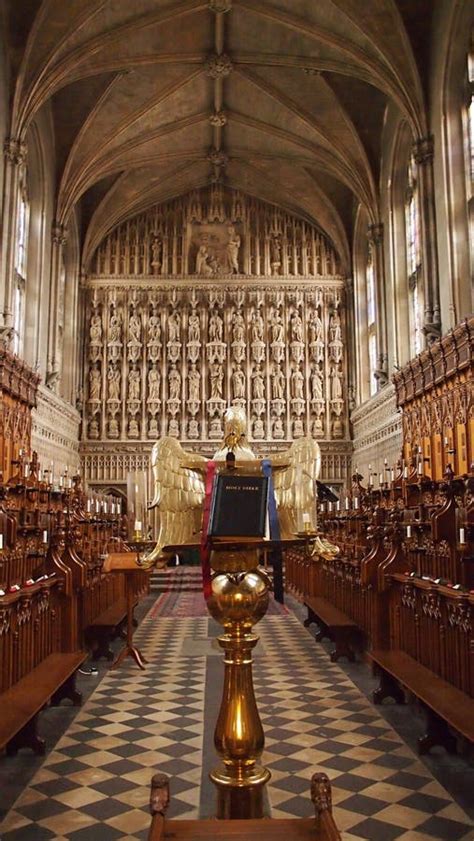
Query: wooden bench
(319, 828)
(53, 680)
(445, 706)
(334, 625)
(105, 628)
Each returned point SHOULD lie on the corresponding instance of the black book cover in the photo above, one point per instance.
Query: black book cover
(239, 506)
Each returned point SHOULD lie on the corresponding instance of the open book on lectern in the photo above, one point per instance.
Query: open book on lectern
(239, 507)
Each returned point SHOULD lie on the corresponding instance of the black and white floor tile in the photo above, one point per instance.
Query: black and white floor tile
(95, 783)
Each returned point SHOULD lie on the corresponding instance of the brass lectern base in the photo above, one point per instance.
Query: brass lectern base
(240, 798)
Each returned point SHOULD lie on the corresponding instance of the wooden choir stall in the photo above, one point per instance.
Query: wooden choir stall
(57, 604)
(401, 587)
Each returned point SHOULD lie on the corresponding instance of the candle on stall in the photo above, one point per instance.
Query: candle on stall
(392, 475)
(45, 536)
(420, 469)
(105, 508)
(97, 506)
(405, 472)
(462, 535)
(356, 502)
(138, 525)
(1, 540)
(346, 504)
(88, 506)
(446, 442)
(338, 505)
(26, 470)
(60, 481)
(380, 479)
(306, 521)
(330, 507)
(408, 531)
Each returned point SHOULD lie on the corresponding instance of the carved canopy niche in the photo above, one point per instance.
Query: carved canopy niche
(215, 232)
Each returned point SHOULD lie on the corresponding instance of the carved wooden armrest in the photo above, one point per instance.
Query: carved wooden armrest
(159, 802)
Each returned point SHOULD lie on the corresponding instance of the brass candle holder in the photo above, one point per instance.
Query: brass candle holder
(239, 600)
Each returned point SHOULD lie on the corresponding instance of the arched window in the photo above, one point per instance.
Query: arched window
(21, 250)
(413, 252)
(469, 120)
(371, 332)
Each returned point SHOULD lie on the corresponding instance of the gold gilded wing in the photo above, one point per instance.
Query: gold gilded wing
(295, 485)
(178, 494)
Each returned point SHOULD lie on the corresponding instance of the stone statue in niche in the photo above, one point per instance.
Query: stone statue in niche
(238, 327)
(115, 327)
(174, 383)
(238, 383)
(258, 387)
(258, 429)
(278, 383)
(233, 247)
(315, 328)
(335, 329)
(194, 384)
(156, 246)
(154, 328)
(258, 325)
(95, 331)
(134, 383)
(278, 430)
(336, 383)
(194, 328)
(135, 328)
(133, 428)
(277, 329)
(95, 383)
(154, 380)
(193, 429)
(215, 428)
(298, 428)
(204, 261)
(297, 384)
(174, 327)
(316, 383)
(215, 327)
(217, 376)
(173, 428)
(296, 327)
(113, 378)
(275, 254)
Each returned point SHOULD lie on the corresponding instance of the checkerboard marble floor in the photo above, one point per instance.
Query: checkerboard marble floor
(95, 783)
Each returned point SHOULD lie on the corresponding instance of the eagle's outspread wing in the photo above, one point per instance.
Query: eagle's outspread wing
(295, 474)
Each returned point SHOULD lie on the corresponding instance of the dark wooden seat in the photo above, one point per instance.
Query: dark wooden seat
(52, 680)
(334, 625)
(319, 828)
(105, 628)
(445, 706)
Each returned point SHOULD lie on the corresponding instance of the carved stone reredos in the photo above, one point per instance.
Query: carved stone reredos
(240, 235)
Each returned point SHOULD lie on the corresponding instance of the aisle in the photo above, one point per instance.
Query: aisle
(95, 784)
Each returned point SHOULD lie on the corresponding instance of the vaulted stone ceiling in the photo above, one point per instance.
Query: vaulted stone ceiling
(283, 99)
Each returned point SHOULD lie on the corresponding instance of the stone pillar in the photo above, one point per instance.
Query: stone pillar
(14, 159)
(423, 154)
(58, 238)
(375, 235)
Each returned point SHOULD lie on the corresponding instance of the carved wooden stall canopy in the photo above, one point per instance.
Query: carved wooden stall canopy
(18, 387)
(435, 393)
(185, 315)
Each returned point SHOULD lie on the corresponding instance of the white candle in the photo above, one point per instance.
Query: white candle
(88, 506)
(138, 525)
(405, 472)
(305, 517)
(45, 536)
(380, 479)
(330, 507)
(446, 442)
(97, 506)
(408, 531)
(60, 481)
(1, 540)
(462, 535)
(338, 505)
(392, 475)
(105, 508)
(26, 470)
(356, 502)
(346, 503)
(420, 469)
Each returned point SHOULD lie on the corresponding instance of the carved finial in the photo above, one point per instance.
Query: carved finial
(217, 157)
(218, 66)
(219, 118)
